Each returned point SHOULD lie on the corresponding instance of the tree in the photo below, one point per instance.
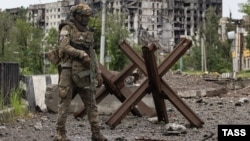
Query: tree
(21, 42)
(245, 8)
(5, 28)
(95, 25)
(115, 32)
(217, 52)
(27, 41)
(36, 50)
(51, 41)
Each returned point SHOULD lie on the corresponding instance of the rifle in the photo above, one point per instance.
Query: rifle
(92, 69)
(92, 62)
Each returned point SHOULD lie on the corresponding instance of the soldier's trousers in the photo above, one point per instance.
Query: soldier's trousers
(66, 88)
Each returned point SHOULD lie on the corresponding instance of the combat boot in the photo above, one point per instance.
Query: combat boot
(61, 136)
(96, 134)
(98, 137)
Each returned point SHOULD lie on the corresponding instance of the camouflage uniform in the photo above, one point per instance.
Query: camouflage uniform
(74, 40)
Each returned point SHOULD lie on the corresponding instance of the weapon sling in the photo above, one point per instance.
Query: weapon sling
(92, 72)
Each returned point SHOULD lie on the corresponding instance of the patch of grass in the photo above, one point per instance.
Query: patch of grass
(16, 102)
(243, 74)
(2, 106)
(193, 72)
(16, 109)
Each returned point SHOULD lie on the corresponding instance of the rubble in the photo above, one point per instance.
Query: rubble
(214, 111)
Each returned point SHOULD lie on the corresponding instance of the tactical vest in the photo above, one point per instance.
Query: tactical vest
(82, 41)
(79, 39)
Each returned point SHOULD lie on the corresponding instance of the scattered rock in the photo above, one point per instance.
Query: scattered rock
(44, 118)
(244, 100)
(2, 127)
(219, 110)
(238, 104)
(38, 126)
(153, 119)
(120, 139)
(175, 127)
(172, 133)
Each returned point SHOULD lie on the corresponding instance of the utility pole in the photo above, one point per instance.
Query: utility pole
(102, 51)
(237, 47)
(202, 55)
(203, 46)
(241, 50)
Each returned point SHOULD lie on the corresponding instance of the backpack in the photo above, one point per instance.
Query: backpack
(53, 55)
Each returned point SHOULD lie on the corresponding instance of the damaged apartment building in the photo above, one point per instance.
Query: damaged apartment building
(50, 15)
(164, 21)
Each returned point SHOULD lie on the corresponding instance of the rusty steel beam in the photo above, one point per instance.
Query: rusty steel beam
(107, 80)
(154, 81)
(119, 79)
(134, 57)
(180, 50)
(109, 88)
(101, 94)
(174, 56)
(144, 88)
(143, 108)
(180, 105)
(115, 85)
(109, 84)
(129, 103)
(126, 72)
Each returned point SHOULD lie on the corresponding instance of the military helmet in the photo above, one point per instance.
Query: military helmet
(82, 9)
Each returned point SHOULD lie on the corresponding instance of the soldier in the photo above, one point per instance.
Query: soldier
(74, 75)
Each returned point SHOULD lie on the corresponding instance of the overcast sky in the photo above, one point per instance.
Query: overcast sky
(228, 5)
(232, 5)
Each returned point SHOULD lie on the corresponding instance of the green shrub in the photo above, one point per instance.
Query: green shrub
(1, 101)
(15, 109)
(15, 101)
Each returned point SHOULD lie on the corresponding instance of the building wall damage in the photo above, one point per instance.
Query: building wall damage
(165, 21)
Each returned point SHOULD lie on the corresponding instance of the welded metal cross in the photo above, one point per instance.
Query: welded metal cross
(155, 84)
(114, 84)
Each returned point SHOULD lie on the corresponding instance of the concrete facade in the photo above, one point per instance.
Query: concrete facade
(49, 15)
(164, 20)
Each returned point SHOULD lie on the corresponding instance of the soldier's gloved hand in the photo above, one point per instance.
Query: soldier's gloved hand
(99, 80)
(83, 55)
